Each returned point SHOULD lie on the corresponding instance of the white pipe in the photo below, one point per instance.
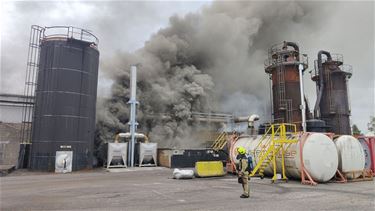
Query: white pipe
(303, 106)
(136, 135)
(252, 119)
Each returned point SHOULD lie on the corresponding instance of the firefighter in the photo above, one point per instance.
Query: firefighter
(243, 171)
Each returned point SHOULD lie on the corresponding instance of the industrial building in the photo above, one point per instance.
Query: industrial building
(12, 109)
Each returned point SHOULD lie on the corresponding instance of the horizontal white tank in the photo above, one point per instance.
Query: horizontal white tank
(351, 155)
(319, 156)
(367, 152)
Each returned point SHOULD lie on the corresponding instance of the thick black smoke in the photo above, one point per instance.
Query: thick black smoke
(207, 61)
(226, 40)
(202, 62)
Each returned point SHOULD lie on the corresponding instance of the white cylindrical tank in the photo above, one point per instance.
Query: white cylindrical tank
(319, 156)
(351, 155)
(367, 152)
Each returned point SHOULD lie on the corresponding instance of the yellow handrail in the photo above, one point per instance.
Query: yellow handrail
(263, 137)
(279, 137)
(220, 142)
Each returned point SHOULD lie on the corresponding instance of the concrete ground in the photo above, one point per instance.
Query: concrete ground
(153, 189)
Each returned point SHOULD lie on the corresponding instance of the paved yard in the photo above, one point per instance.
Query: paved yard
(153, 189)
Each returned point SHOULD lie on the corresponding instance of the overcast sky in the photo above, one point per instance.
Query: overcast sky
(120, 26)
(125, 26)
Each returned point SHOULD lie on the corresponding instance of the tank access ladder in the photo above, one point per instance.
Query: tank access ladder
(220, 142)
(276, 139)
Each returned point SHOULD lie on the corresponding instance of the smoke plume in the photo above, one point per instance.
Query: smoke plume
(202, 62)
(209, 60)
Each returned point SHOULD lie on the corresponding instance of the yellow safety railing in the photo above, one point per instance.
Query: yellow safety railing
(265, 138)
(277, 135)
(220, 142)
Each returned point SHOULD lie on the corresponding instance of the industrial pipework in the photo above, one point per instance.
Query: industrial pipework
(292, 44)
(249, 119)
(332, 104)
(320, 85)
(252, 119)
(283, 67)
(303, 105)
(129, 135)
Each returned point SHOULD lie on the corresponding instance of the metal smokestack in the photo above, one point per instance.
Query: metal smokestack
(283, 67)
(133, 106)
(321, 82)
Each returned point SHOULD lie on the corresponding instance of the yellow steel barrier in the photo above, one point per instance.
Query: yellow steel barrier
(209, 168)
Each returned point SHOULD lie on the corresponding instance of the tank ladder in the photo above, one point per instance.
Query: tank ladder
(332, 107)
(289, 111)
(281, 84)
(32, 67)
(278, 139)
(284, 104)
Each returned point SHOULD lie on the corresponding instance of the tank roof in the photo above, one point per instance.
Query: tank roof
(68, 32)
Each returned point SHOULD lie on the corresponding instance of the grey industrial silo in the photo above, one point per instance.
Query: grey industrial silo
(65, 98)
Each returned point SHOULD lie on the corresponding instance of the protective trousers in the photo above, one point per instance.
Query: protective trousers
(245, 184)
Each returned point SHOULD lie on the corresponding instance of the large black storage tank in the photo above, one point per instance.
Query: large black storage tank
(64, 115)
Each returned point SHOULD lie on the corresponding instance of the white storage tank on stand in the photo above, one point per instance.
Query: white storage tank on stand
(117, 152)
(351, 155)
(319, 155)
(147, 154)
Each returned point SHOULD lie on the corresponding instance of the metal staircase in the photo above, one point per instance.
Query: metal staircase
(220, 142)
(278, 137)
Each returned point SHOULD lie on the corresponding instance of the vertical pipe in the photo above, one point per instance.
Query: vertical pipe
(321, 81)
(132, 102)
(303, 106)
(271, 99)
(133, 82)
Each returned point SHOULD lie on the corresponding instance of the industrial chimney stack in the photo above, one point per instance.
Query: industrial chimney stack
(332, 104)
(283, 67)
